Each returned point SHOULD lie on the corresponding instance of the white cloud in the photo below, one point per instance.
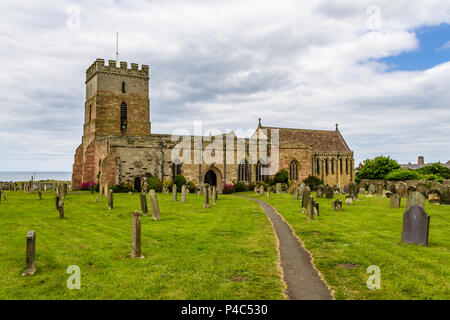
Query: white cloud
(296, 64)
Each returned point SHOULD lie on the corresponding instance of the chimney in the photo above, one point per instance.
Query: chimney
(421, 160)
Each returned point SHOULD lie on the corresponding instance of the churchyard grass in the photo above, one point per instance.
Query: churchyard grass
(226, 252)
(369, 233)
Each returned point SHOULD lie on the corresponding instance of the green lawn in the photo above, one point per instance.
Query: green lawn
(369, 233)
(226, 252)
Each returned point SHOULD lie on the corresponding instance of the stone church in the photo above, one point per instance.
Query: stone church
(118, 145)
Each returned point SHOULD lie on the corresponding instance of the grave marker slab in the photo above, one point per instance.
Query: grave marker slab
(415, 198)
(154, 205)
(136, 250)
(30, 254)
(416, 225)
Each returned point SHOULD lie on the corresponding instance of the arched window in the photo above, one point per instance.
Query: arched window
(346, 166)
(340, 165)
(293, 170)
(176, 168)
(332, 166)
(243, 174)
(326, 167)
(258, 172)
(123, 87)
(317, 166)
(123, 117)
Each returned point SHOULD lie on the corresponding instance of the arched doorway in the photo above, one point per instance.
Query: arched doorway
(210, 178)
(137, 184)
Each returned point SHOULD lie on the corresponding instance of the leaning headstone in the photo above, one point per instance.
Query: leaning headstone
(310, 208)
(183, 194)
(329, 192)
(154, 205)
(61, 209)
(416, 225)
(136, 251)
(296, 193)
(144, 204)
(402, 189)
(31, 252)
(371, 190)
(40, 195)
(349, 200)
(415, 198)
(320, 191)
(206, 201)
(305, 195)
(445, 195)
(395, 201)
(110, 200)
(174, 192)
(434, 196)
(336, 205)
(278, 186)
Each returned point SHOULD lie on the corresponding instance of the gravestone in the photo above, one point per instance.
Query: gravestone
(144, 187)
(316, 208)
(305, 195)
(278, 188)
(402, 189)
(362, 191)
(320, 191)
(416, 225)
(164, 189)
(349, 200)
(61, 209)
(56, 201)
(30, 254)
(371, 190)
(296, 193)
(379, 189)
(40, 195)
(436, 185)
(206, 199)
(445, 195)
(329, 192)
(0, 195)
(411, 189)
(396, 201)
(392, 189)
(388, 194)
(310, 208)
(183, 194)
(353, 190)
(301, 187)
(415, 198)
(434, 196)
(174, 192)
(110, 200)
(346, 189)
(255, 189)
(422, 188)
(144, 204)
(214, 195)
(336, 205)
(154, 205)
(261, 191)
(136, 251)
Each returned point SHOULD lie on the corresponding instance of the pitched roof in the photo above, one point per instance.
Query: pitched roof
(320, 140)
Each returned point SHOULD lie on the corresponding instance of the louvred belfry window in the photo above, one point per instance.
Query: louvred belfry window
(123, 117)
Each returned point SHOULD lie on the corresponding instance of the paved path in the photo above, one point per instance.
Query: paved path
(302, 279)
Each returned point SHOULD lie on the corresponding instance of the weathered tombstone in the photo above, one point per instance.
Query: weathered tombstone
(144, 204)
(183, 194)
(206, 202)
(310, 208)
(174, 192)
(214, 195)
(416, 225)
(136, 251)
(40, 195)
(379, 189)
(154, 205)
(144, 188)
(402, 189)
(371, 190)
(392, 188)
(445, 195)
(395, 201)
(57, 201)
(411, 189)
(362, 191)
(336, 205)
(346, 189)
(415, 198)
(164, 189)
(305, 195)
(316, 208)
(31, 252)
(61, 209)
(255, 189)
(301, 187)
(0, 195)
(320, 191)
(296, 193)
(353, 190)
(422, 188)
(434, 196)
(110, 200)
(261, 191)
(278, 186)
(349, 200)
(329, 192)
(388, 194)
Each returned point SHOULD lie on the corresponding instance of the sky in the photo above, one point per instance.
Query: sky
(380, 69)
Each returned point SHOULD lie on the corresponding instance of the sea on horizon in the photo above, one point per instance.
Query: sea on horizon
(14, 176)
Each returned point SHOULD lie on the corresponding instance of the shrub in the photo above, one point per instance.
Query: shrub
(168, 184)
(281, 176)
(240, 187)
(85, 186)
(228, 188)
(179, 180)
(122, 188)
(436, 169)
(270, 182)
(192, 186)
(251, 186)
(377, 168)
(154, 183)
(401, 175)
(313, 182)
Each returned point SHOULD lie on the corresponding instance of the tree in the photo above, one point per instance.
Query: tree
(179, 180)
(435, 169)
(377, 168)
(281, 176)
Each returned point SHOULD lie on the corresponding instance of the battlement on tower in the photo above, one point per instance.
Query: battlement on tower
(99, 67)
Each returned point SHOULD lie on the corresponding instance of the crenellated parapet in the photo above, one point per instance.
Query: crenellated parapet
(99, 67)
